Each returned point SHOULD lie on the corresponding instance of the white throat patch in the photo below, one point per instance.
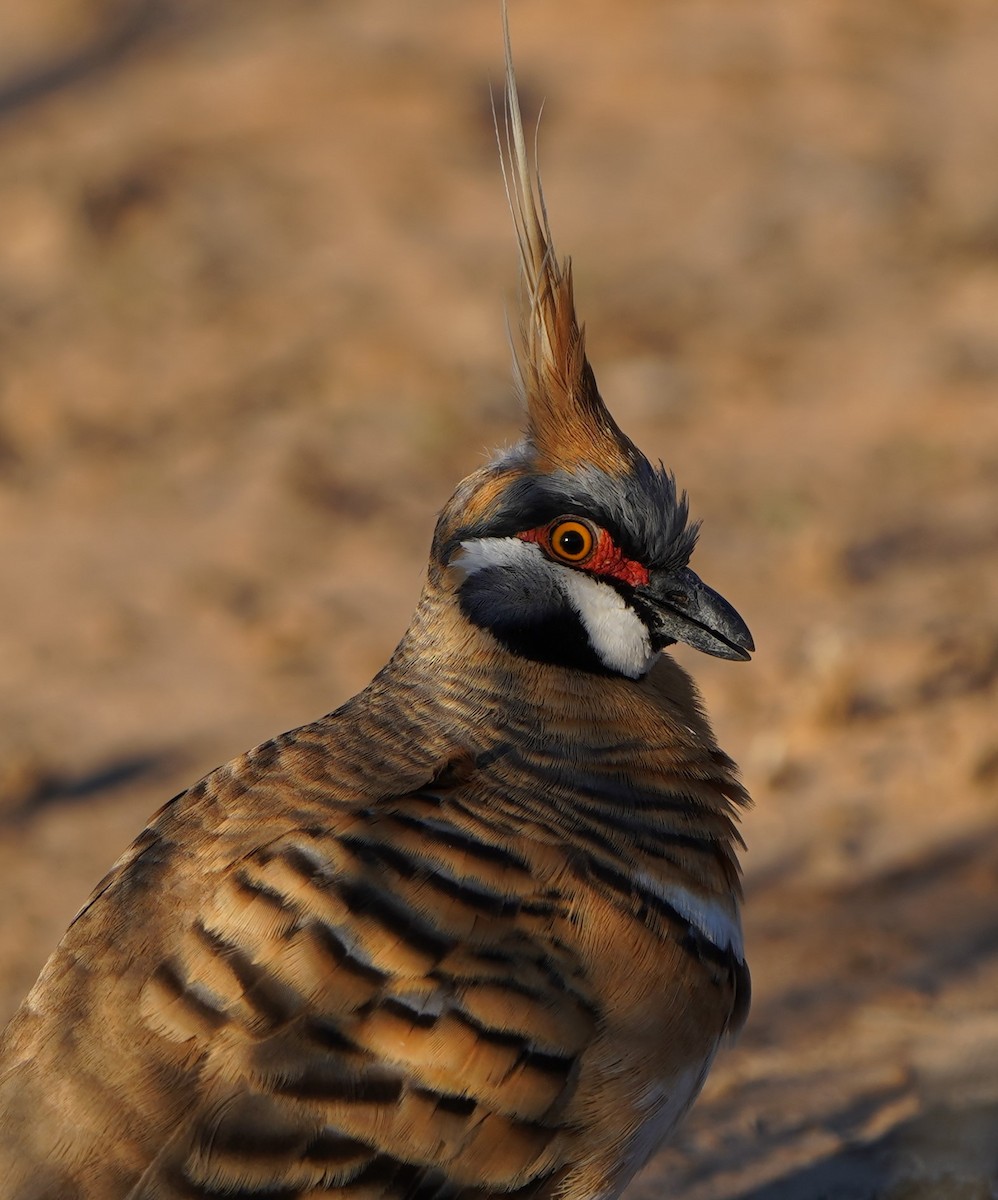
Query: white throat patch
(616, 633)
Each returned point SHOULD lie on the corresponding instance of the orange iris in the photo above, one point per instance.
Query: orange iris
(572, 541)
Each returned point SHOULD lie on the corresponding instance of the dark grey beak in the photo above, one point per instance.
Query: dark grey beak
(683, 608)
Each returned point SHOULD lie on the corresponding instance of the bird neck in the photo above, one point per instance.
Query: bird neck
(628, 765)
(473, 690)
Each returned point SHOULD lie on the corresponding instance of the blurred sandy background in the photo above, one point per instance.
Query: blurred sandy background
(253, 265)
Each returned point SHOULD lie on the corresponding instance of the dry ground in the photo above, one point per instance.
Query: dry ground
(253, 261)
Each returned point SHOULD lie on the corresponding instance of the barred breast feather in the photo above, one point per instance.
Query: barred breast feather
(409, 950)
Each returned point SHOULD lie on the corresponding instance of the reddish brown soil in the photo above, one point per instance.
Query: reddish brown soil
(253, 262)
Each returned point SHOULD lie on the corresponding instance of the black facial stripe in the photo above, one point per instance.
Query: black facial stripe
(556, 635)
(628, 592)
(647, 614)
(560, 641)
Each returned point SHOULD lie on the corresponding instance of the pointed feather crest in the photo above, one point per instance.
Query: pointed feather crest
(568, 425)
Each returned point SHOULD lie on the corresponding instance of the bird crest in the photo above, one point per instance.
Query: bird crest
(568, 425)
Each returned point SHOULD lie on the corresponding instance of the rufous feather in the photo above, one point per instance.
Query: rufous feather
(568, 424)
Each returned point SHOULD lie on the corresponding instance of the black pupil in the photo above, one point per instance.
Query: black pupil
(572, 543)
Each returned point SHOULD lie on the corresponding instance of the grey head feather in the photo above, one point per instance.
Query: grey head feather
(642, 510)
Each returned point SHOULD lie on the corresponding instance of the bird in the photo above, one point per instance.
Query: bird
(477, 932)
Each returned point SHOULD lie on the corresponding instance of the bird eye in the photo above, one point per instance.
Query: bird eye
(571, 541)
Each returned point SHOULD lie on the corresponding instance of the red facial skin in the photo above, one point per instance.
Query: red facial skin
(606, 558)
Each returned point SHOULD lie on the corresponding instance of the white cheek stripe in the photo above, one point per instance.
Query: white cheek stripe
(616, 632)
(710, 917)
(479, 553)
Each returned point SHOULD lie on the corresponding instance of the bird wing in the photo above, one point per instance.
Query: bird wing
(284, 987)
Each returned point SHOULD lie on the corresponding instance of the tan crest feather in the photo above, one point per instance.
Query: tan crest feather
(568, 423)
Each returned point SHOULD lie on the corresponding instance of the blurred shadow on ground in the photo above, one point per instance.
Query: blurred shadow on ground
(27, 793)
(921, 926)
(133, 23)
(946, 1154)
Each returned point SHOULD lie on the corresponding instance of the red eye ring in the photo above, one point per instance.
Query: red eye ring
(571, 540)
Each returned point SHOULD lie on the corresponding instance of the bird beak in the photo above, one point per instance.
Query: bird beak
(684, 609)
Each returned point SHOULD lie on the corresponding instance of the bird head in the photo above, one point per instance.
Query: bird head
(571, 547)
